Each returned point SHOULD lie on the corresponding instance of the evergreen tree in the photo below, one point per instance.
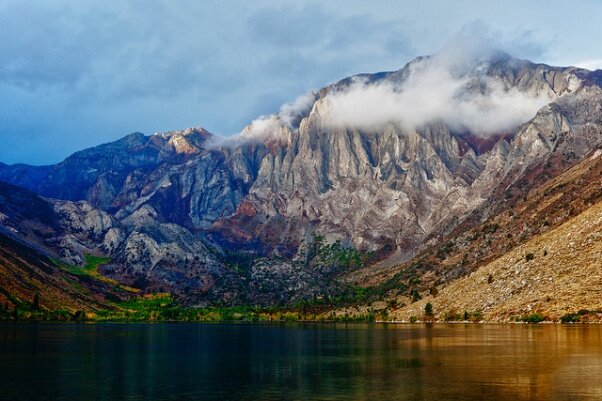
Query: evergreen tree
(36, 301)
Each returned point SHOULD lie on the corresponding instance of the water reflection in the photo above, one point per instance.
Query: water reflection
(41, 361)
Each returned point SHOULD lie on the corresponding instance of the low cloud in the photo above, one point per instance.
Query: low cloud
(272, 126)
(451, 86)
(432, 93)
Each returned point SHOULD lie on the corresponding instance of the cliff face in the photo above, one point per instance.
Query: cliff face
(400, 185)
(171, 209)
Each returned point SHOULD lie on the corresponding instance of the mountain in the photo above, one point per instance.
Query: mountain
(327, 191)
(482, 265)
(555, 274)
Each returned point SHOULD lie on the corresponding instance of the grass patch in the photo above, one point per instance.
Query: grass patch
(90, 269)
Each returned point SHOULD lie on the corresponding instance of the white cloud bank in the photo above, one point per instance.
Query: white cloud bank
(445, 88)
(272, 126)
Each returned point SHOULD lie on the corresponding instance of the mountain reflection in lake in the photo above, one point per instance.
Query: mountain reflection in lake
(45, 361)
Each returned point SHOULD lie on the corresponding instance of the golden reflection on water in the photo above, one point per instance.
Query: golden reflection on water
(542, 362)
(300, 362)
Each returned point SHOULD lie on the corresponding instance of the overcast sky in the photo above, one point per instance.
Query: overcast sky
(74, 74)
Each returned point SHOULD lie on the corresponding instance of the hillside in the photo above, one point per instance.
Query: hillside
(552, 274)
(25, 273)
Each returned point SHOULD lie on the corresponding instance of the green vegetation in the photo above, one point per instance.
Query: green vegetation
(162, 307)
(529, 257)
(452, 316)
(240, 262)
(90, 269)
(570, 318)
(466, 316)
(404, 282)
(490, 228)
(18, 310)
(445, 250)
(532, 318)
(582, 315)
(335, 255)
(35, 305)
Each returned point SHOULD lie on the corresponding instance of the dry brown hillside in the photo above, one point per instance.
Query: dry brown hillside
(553, 274)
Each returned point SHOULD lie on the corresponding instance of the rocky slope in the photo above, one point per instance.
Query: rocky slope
(60, 229)
(553, 274)
(183, 212)
(26, 273)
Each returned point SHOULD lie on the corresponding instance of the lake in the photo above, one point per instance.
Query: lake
(299, 361)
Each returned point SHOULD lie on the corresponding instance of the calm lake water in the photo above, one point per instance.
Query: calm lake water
(45, 361)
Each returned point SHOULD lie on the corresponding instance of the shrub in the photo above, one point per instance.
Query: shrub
(477, 316)
(413, 319)
(36, 301)
(570, 318)
(529, 257)
(451, 316)
(490, 228)
(533, 318)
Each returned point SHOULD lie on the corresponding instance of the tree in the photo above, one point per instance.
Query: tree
(429, 316)
(36, 301)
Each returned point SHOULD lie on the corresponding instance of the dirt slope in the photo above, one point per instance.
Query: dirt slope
(554, 273)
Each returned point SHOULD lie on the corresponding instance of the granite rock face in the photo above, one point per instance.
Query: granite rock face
(172, 209)
(398, 185)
